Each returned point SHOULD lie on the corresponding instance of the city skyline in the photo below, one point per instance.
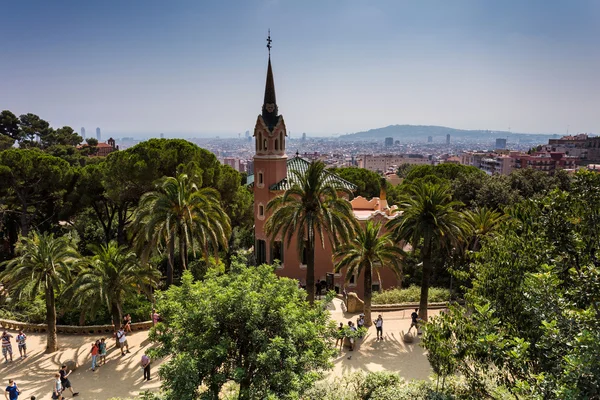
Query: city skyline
(147, 68)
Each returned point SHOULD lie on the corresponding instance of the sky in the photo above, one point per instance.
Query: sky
(192, 68)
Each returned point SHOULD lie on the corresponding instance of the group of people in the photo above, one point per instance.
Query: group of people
(98, 353)
(60, 383)
(360, 323)
(7, 351)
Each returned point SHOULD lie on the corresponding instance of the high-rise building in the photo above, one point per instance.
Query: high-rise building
(500, 144)
(429, 139)
(83, 133)
(162, 135)
(389, 141)
(98, 134)
(448, 139)
(304, 136)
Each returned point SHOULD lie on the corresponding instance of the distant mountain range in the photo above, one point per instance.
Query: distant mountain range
(422, 132)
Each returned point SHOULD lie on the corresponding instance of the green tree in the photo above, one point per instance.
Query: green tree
(484, 223)
(429, 222)
(368, 182)
(365, 253)
(33, 129)
(532, 325)
(9, 126)
(34, 184)
(181, 212)
(312, 209)
(108, 277)
(42, 265)
(254, 328)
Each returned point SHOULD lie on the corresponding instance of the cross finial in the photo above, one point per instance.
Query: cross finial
(297, 153)
(269, 42)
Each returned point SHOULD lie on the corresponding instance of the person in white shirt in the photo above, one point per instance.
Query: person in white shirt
(122, 340)
(379, 327)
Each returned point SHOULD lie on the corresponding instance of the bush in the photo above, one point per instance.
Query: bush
(412, 294)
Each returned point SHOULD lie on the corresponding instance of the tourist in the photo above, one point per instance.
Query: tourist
(122, 340)
(6, 347)
(102, 351)
(94, 353)
(57, 387)
(351, 338)
(379, 327)
(360, 321)
(155, 317)
(12, 390)
(21, 337)
(415, 320)
(64, 380)
(127, 323)
(340, 335)
(146, 366)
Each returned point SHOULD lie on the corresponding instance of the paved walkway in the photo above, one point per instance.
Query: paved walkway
(390, 354)
(122, 376)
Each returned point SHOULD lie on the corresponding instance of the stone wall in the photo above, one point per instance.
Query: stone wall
(91, 329)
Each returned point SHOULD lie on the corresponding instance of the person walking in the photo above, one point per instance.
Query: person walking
(340, 336)
(6, 346)
(415, 320)
(146, 366)
(64, 380)
(379, 327)
(102, 351)
(21, 337)
(94, 353)
(57, 387)
(12, 391)
(122, 340)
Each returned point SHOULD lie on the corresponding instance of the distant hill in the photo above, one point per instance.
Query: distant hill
(421, 132)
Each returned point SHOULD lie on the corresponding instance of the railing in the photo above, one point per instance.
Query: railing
(90, 329)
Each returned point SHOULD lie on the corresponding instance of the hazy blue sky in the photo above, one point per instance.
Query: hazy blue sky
(195, 66)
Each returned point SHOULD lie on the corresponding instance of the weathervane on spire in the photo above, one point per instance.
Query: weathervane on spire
(269, 42)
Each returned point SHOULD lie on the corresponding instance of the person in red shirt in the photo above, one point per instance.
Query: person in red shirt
(94, 353)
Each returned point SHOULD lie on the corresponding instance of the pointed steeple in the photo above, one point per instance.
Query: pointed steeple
(269, 108)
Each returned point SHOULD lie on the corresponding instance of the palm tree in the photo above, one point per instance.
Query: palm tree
(428, 222)
(109, 277)
(312, 209)
(483, 222)
(179, 212)
(367, 252)
(42, 265)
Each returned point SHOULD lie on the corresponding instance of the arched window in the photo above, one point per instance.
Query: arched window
(281, 140)
(258, 142)
(276, 144)
(265, 144)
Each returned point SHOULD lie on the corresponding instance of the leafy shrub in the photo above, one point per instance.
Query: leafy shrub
(412, 294)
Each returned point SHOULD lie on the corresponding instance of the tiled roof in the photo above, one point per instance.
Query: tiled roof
(300, 164)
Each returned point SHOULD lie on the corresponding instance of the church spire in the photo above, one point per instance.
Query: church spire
(269, 109)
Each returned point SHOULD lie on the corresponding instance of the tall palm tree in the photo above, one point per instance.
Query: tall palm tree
(312, 209)
(42, 265)
(179, 212)
(429, 222)
(108, 277)
(368, 252)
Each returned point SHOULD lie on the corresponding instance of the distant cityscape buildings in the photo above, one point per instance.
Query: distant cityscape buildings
(500, 144)
(162, 135)
(429, 139)
(389, 141)
(98, 134)
(83, 133)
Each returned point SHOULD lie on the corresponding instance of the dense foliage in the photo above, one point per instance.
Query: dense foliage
(532, 321)
(249, 327)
